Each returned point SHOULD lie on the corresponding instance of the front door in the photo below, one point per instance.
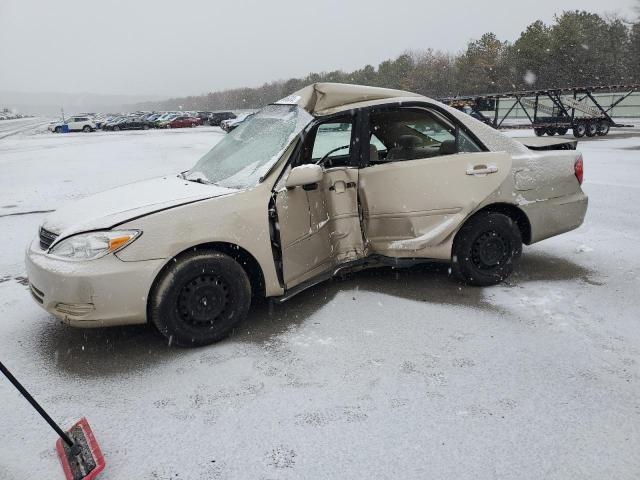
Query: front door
(319, 225)
(424, 177)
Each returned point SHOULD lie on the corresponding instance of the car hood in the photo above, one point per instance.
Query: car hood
(109, 208)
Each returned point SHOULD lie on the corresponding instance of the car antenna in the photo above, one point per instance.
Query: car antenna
(80, 454)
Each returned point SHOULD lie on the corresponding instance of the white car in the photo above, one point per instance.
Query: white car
(232, 123)
(75, 124)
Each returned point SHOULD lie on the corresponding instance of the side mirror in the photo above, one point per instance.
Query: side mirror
(304, 175)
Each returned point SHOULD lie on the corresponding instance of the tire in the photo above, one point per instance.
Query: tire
(551, 131)
(486, 249)
(579, 130)
(592, 129)
(58, 129)
(116, 129)
(168, 126)
(86, 129)
(539, 131)
(179, 306)
(145, 127)
(603, 128)
(562, 131)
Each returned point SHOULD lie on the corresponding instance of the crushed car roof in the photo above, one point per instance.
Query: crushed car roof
(320, 98)
(327, 98)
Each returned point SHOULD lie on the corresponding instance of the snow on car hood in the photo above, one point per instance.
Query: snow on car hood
(111, 207)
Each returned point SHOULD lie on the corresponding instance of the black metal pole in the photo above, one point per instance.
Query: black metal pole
(35, 405)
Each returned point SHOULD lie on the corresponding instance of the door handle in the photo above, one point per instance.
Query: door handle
(482, 170)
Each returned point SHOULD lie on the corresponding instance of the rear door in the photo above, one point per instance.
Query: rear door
(424, 176)
(73, 123)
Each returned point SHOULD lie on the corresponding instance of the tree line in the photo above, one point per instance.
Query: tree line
(578, 48)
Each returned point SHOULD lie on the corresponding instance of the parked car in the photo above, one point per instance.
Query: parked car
(232, 123)
(182, 122)
(203, 116)
(75, 124)
(113, 123)
(131, 123)
(215, 118)
(290, 200)
(163, 119)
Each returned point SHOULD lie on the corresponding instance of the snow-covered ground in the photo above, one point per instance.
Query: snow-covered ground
(384, 374)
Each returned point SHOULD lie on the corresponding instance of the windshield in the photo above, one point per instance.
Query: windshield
(247, 153)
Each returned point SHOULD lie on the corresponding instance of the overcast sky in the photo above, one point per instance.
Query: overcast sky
(181, 47)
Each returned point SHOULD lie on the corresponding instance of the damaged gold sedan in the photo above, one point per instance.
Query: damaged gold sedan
(332, 178)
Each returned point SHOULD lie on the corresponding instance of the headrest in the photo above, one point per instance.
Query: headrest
(373, 153)
(448, 147)
(409, 141)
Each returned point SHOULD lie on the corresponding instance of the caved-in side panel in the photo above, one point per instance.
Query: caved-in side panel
(410, 207)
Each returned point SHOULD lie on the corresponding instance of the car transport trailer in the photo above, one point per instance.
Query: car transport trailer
(551, 111)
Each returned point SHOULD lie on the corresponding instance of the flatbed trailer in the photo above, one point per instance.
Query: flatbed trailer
(551, 111)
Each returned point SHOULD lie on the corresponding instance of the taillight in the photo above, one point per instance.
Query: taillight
(578, 168)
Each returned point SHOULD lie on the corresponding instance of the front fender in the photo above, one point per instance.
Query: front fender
(240, 219)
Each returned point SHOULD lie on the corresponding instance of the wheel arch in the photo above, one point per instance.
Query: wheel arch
(512, 211)
(244, 258)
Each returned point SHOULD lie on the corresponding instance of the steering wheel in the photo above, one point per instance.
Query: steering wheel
(326, 155)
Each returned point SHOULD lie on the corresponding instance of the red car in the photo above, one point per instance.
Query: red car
(181, 122)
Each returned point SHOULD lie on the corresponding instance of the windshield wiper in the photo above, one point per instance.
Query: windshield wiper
(198, 180)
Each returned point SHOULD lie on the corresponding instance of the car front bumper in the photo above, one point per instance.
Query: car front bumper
(95, 293)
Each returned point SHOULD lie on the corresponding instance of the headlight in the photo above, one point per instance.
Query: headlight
(92, 245)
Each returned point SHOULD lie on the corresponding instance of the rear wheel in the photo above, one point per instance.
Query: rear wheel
(86, 129)
(200, 298)
(592, 129)
(486, 249)
(58, 129)
(550, 131)
(116, 128)
(603, 128)
(145, 127)
(539, 131)
(563, 131)
(579, 130)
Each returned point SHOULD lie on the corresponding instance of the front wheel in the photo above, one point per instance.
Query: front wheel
(199, 299)
(539, 131)
(486, 249)
(86, 129)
